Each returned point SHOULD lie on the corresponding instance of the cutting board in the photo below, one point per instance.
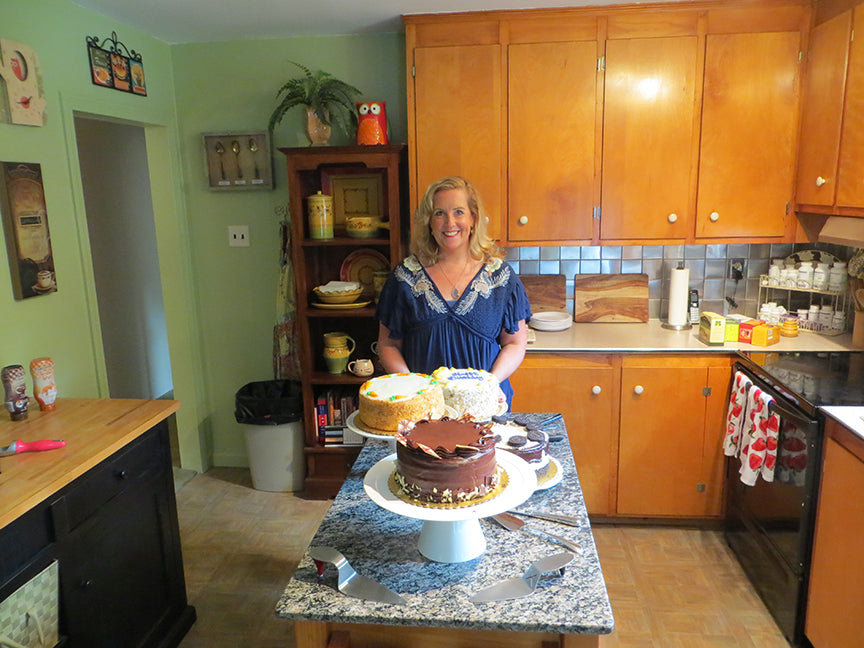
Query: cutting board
(610, 298)
(546, 292)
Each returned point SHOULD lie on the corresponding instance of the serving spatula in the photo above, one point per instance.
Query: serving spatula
(349, 581)
(512, 523)
(525, 584)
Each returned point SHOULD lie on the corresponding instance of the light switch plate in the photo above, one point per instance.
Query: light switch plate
(238, 235)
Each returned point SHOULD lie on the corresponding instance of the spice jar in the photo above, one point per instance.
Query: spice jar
(805, 275)
(837, 277)
(820, 276)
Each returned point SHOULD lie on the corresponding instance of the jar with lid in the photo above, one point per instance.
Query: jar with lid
(775, 272)
(789, 278)
(837, 277)
(826, 315)
(320, 216)
(838, 321)
(820, 276)
(805, 275)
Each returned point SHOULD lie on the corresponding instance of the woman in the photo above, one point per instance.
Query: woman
(453, 302)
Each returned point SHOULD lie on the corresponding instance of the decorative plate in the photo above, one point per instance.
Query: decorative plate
(361, 266)
(352, 305)
(819, 256)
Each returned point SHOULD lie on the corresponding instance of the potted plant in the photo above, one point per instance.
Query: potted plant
(327, 101)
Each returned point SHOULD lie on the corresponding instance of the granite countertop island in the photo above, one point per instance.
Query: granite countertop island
(382, 545)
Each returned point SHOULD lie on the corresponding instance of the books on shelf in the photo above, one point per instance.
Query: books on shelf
(333, 406)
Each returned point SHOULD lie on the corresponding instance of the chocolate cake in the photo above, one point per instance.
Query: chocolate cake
(446, 461)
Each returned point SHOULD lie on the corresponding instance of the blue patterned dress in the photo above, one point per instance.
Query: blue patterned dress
(460, 334)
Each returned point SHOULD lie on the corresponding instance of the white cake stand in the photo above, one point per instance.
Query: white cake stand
(453, 535)
(354, 426)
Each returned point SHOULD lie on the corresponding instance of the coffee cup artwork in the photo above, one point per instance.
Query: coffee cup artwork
(361, 367)
(338, 347)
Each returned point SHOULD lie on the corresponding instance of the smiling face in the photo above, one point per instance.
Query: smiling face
(451, 220)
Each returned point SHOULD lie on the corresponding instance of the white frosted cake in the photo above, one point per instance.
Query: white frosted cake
(387, 400)
(525, 440)
(472, 393)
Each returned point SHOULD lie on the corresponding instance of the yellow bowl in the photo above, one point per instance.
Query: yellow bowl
(362, 226)
(341, 297)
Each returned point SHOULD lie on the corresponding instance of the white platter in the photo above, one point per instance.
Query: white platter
(551, 321)
(354, 426)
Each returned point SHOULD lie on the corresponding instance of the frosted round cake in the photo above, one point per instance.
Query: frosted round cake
(525, 440)
(472, 393)
(446, 461)
(385, 401)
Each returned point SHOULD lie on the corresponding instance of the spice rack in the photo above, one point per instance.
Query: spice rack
(835, 299)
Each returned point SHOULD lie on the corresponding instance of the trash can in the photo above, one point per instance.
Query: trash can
(270, 412)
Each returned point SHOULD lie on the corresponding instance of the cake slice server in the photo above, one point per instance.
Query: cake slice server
(350, 582)
(33, 446)
(525, 584)
(550, 517)
(512, 523)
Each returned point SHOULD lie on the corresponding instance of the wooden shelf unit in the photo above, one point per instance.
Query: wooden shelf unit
(315, 262)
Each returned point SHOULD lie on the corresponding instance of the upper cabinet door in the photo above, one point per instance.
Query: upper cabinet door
(749, 123)
(457, 97)
(551, 140)
(648, 141)
(822, 111)
(850, 188)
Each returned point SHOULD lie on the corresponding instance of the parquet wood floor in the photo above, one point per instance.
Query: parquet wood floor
(669, 587)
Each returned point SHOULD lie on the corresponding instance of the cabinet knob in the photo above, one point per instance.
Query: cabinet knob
(714, 217)
(820, 181)
(638, 389)
(120, 474)
(596, 389)
(672, 217)
(523, 220)
(486, 219)
(85, 583)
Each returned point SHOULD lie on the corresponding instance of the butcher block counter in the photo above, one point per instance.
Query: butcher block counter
(571, 611)
(101, 514)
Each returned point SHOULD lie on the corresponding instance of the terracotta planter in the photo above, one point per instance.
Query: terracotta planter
(317, 132)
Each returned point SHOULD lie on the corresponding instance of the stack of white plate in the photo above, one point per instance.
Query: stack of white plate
(551, 321)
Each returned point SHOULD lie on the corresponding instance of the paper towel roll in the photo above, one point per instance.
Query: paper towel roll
(679, 283)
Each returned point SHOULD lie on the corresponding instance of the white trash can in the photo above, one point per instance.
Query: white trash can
(276, 456)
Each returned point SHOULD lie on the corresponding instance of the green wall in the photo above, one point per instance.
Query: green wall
(219, 301)
(231, 86)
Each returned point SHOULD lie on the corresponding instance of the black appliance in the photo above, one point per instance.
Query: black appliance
(769, 526)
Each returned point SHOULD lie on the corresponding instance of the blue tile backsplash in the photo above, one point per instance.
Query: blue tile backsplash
(707, 264)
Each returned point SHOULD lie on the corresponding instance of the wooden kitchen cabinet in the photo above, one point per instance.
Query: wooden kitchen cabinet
(552, 119)
(648, 137)
(584, 389)
(456, 120)
(669, 436)
(836, 594)
(671, 432)
(749, 133)
(850, 185)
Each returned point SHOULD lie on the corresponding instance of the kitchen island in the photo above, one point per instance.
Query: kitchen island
(571, 611)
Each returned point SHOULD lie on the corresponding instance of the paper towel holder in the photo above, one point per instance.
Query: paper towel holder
(677, 327)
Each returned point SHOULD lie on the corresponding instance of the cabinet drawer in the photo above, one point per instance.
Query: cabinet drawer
(113, 476)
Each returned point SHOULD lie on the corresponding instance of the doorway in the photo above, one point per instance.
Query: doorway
(122, 233)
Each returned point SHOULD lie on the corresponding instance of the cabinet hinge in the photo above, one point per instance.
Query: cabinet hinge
(601, 63)
(596, 212)
(787, 208)
(706, 391)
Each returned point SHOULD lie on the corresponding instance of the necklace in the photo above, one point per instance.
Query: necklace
(454, 293)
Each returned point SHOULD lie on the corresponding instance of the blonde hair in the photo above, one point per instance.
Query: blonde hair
(423, 244)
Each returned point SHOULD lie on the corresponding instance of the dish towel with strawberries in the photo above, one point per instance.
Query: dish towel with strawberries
(759, 438)
(735, 414)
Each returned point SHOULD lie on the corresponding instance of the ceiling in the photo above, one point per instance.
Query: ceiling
(200, 21)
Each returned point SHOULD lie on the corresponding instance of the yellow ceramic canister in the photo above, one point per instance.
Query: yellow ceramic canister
(320, 216)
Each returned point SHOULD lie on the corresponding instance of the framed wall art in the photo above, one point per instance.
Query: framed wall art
(238, 161)
(25, 223)
(113, 65)
(356, 191)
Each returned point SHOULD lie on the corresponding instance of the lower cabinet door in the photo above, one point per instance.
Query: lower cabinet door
(118, 580)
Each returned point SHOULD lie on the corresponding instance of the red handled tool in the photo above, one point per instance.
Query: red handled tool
(34, 446)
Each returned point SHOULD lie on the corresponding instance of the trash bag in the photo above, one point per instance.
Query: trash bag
(269, 402)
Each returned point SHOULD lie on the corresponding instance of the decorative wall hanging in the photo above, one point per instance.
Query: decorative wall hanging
(21, 95)
(25, 222)
(113, 65)
(356, 191)
(238, 160)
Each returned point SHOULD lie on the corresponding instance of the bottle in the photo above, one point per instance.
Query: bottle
(838, 322)
(775, 272)
(826, 316)
(805, 276)
(837, 277)
(15, 389)
(820, 276)
(44, 389)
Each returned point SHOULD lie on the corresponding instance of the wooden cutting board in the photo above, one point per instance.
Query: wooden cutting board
(546, 292)
(610, 298)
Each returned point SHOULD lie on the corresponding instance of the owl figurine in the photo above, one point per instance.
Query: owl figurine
(372, 122)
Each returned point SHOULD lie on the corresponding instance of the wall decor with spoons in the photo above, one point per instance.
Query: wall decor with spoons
(236, 161)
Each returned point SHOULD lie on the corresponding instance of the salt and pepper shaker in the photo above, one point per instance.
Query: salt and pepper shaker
(44, 389)
(16, 391)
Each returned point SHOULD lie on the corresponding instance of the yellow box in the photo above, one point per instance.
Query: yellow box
(712, 328)
(745, 330)
(765, 335)
(731, 330)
